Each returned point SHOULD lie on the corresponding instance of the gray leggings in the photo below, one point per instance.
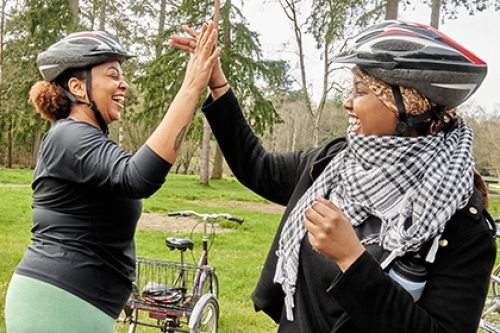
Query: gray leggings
(35, 306)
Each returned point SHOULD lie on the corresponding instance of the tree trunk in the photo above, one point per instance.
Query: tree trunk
(74, 7)
(205, 150)
(9, 144)
(218, 168)
(392, 10)
(102, 16)
(161, 27)
(2, 23)
(435, 13)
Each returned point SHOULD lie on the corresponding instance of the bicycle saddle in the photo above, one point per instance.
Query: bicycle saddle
(179, 243)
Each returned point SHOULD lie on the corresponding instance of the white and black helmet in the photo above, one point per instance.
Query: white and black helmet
(79, 50)
(417, 56)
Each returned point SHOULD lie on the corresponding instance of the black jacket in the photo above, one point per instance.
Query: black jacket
(364, 298)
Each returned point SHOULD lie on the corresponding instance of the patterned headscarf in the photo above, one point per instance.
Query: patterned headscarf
(415, 103)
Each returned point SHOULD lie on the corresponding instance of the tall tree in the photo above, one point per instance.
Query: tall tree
(102, 15)
(448, 9)
(74, 7)
(161, 77)
(2, 35)
(392, 9)
(32, 27)
(205, 150)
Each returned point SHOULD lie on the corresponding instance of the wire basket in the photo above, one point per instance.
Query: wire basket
(166, 285)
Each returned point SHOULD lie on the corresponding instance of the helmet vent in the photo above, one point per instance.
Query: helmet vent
(398, 45)
(83, 41)
(367, 36)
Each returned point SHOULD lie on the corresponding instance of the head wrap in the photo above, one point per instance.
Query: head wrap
(415, 103)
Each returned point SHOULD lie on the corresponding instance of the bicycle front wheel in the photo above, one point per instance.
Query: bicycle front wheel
(205, 316)
(209, 284)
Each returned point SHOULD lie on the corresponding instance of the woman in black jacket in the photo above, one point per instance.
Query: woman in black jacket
(402, 185)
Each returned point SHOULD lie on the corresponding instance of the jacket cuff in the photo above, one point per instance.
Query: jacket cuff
(210, 105)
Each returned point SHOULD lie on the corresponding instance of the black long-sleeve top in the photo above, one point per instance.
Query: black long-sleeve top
(86, 204)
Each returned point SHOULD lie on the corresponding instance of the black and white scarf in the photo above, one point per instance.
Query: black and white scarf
(427, 178)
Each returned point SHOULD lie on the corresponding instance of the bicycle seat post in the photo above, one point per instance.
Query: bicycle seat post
(182, 257)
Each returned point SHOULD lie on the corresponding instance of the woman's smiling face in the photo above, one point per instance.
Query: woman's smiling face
(367, 114)
(108, 90)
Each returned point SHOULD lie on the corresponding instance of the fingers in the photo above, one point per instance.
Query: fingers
(190, 31)
(207, 37)
(189, 43)
(183, 43)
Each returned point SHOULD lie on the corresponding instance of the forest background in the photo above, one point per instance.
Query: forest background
(276, 99)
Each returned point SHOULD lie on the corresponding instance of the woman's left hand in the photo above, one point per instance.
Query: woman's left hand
(203, 58)
(218, 79)
(331, 234)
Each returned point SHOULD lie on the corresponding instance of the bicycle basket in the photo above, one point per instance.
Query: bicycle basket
(167, 284)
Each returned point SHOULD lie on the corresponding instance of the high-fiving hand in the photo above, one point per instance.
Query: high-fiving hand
(190, 43)
(204, 55)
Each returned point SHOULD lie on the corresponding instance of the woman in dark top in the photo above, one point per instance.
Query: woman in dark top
(401, 184)
(77, 273)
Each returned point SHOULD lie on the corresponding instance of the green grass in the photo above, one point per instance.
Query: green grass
(10, 176)
(237, 254)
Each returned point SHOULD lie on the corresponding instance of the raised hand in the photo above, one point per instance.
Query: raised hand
(204, 55)
(189, 43)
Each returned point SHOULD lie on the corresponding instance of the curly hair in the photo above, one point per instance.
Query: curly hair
(49, 101)
(48, 98)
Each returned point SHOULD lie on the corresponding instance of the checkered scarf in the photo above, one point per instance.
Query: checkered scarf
(426, 178)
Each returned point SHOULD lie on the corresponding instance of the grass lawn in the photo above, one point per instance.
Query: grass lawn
(237, 253)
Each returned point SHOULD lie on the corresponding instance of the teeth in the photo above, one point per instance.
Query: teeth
(118, 98)
(353, 121)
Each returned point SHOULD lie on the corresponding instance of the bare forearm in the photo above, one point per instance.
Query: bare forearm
(167, 139)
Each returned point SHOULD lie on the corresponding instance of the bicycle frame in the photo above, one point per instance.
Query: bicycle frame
(165, 295)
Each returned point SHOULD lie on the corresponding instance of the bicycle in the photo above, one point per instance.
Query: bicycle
(490, 319)
(179, 296)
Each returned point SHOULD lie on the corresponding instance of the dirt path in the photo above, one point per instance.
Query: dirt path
(161, 221)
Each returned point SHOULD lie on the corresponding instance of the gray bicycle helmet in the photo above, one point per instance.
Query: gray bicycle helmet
(79, 50)
(417, 56)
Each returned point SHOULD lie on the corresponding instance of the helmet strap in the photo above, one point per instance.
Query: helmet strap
(402, 125)
(91, 104)
(405, 123)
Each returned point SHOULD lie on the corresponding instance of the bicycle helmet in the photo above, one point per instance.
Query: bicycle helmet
(81, 50)
(417, 56)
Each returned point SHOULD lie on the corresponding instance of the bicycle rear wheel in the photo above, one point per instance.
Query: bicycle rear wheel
(129, 315)
(127, 322)
(495, 281)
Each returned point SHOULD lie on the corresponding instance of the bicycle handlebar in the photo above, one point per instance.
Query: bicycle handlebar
(228, 217)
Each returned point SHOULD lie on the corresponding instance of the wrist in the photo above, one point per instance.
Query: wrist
(213, 87)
